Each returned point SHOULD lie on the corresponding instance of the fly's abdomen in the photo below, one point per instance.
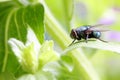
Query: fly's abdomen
(96, 34)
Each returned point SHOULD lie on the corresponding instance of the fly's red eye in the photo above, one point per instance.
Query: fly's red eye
(73, 34)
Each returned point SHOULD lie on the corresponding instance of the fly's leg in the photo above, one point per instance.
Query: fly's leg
(72, 42)
(102, 40)
(86, 39)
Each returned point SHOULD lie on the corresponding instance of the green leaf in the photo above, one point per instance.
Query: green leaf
(14, 19)
(60, 71)
(110, 46)
(27, 54)
(35, 21)
(7, 76)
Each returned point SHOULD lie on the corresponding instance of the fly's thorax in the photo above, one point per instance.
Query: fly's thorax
(83, 28)
(81, 31)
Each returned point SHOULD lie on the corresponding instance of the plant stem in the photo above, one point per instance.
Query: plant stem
(61, 37)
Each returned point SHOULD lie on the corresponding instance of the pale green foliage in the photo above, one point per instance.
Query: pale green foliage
(47, 54)
(33, 53)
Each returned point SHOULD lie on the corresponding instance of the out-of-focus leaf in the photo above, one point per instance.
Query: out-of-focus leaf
(27, 77)
(60, 71)
(62, 10)
(47, 54)
(110, 46)
(7, 76)
(45, 75)
(67, 62)
(41, 75)
(107, 64)
(14, 18)
(64, 69)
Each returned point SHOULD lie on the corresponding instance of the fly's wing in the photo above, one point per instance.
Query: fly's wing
(99, 27)
(102, 30)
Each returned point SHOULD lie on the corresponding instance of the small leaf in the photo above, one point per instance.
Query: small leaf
(60, 71)
(110, 46)
(47, 54)
(27, 54)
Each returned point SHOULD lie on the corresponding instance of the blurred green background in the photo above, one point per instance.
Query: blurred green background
(48, 56)
(75, 13)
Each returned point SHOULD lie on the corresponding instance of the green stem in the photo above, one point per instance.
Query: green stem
(6, 41)
(63, 39)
